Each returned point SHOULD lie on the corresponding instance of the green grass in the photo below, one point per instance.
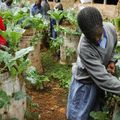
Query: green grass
(55, 71)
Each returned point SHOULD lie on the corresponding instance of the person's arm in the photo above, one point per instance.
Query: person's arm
(111, 66)
(98, 72)
(113, 60)
(112, 27)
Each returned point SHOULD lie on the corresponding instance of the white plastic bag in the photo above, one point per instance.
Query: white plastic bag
(85, 1)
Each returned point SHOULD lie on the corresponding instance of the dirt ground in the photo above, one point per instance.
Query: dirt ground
(52, 102)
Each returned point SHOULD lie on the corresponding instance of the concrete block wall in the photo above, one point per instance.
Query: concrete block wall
(34, 56)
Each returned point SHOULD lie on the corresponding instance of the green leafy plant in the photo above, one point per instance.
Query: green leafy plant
(14, 16)
(71, 16)
(63, 29)
(14, 64)
(35, 79)
(117, 71)
(70, 52)
(117, 23)
(4, 99)
(99, 115)
(55, 43)
(29, 114)
(117, 117)
(36, 38)
(56, 15)
(56, 71)
(19, 95)
(13, 59)
(36, 22)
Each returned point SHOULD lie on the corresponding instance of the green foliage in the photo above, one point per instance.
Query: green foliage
(13, 38)
(71, 16)
(56, 43)
(63, 75)
(117, 56)
(67, 30)
(29, 115)
(117, 117)
(72, 26)
(117, 50)
(14, 16)
(57, 15)
(21, 53)
(117, 71)
(19, 95)
(19, 15)
(36, 22)
(117, 22)
(13, 58)
(99, 115)
(36, 79)
(7, 16)
(25, 2)
(36, 38)
(70, 52)
(56, 71)
(4, 99)
(13, 63)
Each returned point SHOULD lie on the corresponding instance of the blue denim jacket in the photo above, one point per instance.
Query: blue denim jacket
(36, 10)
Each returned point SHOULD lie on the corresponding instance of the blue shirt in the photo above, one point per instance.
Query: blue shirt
(36, 10)
(103, 41)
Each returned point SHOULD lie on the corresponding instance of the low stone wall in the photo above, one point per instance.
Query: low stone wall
(70, 42)
(16, 108)
(34, 56)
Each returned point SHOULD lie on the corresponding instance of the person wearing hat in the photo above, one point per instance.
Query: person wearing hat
(93, 71)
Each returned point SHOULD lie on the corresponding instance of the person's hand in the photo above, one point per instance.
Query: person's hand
(111, 68)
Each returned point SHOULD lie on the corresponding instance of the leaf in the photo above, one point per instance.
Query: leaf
(15, 36)
(4, 99)
(117, 22)
(21, 53)
(117, 117)
(19, 95)
(13, 72)
(56, 14)
(31, 115)
(5, 57)
(99, 115)
(22, 66)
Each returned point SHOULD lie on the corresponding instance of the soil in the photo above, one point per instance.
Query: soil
(52, 101)
(67, 24)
